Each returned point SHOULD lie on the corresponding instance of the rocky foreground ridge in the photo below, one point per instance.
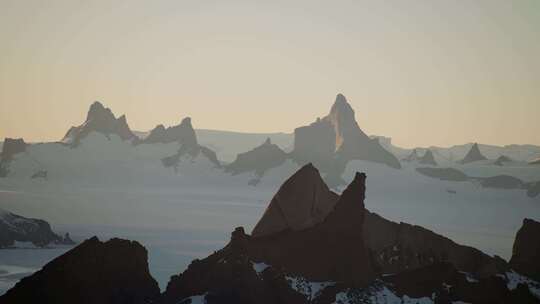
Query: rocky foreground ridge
(330, 249)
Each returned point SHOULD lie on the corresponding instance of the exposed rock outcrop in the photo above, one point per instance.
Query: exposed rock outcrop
(473, 155)
(338, 136)
(258, 160)
(301, 202)
(182, 134)
(446, 174)
(10, 147)
(95, 272)
(428, 159)
(399, 247)
(501, 160)
(102, 120)
(526, 251)
(16, 228)
(185, 136)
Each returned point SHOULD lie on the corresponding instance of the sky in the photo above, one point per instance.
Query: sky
(423, 72)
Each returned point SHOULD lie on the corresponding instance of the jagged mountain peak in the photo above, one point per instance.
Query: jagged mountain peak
(302, 201)
(474, 154)
(102, 120)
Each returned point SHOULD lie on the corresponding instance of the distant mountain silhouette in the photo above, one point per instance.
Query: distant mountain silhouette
(10, 147)
(473, 155)
(338, 136)
(258, 160)
(102, 120)
(182, 133)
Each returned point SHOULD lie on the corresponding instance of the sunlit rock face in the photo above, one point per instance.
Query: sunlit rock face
(337, 137)
(95, 272)
(302, 201)
(99, 119)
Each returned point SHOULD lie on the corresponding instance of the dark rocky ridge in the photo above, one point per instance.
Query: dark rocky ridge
(446, 174)
(258, 160)
(102, 120)
(14, 227)
(473, 155)
(338, 136)
(526, 251)
(95, 272)
(421, 263)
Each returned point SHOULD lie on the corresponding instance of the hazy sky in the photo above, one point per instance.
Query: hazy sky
(422, 72)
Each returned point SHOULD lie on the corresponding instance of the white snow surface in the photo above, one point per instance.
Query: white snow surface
(380, 295)
(513, 279)
(311, 290)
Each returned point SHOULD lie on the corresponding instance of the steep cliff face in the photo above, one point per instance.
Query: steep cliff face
(301, 202)
(102, 120)
(10, 147)
(338, 136)
(95, 272)
(526, 251)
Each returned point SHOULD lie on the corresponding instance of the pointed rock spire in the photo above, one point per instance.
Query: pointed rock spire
(474, 154)
(302, 201)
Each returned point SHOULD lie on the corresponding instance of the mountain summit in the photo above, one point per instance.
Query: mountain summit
(474, 154)
(338, 135)
(99, 119)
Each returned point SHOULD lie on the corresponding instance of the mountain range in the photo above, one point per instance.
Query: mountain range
(323, 248)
